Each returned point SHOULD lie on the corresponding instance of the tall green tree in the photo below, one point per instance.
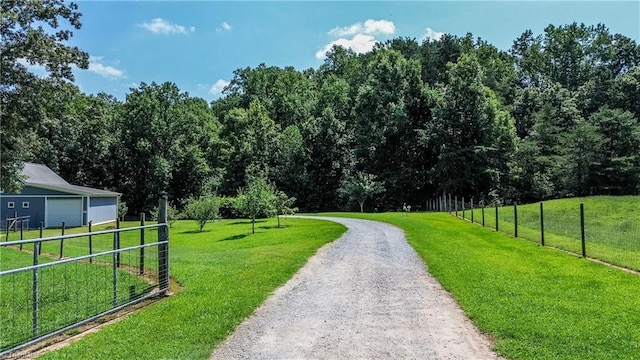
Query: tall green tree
(25, 46)
(469, 132)
(253, 143)
(391, 107)
(619, 170)
(168, 141)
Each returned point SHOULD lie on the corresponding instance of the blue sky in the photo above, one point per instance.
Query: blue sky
(198, 45)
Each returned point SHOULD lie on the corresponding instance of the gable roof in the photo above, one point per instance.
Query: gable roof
(40, 176)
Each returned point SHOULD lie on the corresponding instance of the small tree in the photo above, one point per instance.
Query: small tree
(360, 187)
(172, 214)
(122, 210)
(284, 204)
(255, 200)
(202, 210)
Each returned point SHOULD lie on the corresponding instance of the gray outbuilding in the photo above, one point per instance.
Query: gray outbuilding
(48, 198)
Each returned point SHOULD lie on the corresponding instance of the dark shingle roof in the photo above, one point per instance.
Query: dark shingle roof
(39, 175)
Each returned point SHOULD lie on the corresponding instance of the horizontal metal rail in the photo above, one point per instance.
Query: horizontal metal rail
(73, 236)
(79, 258)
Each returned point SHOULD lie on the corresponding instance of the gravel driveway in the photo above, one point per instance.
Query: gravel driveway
(366, 295)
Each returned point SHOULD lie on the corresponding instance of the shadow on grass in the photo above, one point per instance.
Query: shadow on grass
(273, 227)
(196, 231)
(246, 222)
(235, 237)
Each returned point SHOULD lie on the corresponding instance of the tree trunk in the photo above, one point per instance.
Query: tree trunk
(361, 205)
(278, 216)
(253, 225)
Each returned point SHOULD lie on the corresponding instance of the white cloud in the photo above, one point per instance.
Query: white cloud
(379, 27)
(369, 27)
(360, 44)
(224, 27)
(362, 36)
(218, 87)
(432, 34)
(161, 26)
(95, 66)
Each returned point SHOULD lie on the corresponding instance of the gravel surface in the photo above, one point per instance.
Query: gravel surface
(366, 295)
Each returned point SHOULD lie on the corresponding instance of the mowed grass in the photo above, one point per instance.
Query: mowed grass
(537, 303)
(225, 272)
(612, 226)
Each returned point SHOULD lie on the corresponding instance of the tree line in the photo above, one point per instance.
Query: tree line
(555, 115)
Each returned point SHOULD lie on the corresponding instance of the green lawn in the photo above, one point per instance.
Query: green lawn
(536, 302)
(226, 273)
(612, 226)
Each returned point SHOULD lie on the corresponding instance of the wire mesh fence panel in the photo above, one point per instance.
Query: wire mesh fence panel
(529, 222)
(506, 222)
(99, 273)
(614, 238)
(562, 227)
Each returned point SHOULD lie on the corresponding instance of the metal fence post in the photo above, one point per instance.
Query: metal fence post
(483, 215)
(62, 240)
(35, 289)
(584, 245)
(496, 216)
(163, 246)
(90, 243)
(456, 205)
(541, 224)
(463, 208)
(114, 268)
(515, 219)
(41, 231)
(471, 210)
(21, 233)
(117, 242)
(141, 243)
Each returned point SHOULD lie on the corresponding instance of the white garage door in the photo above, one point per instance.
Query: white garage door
(67, 210)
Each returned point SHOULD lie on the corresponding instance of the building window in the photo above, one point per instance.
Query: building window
(11, 204)
(25, 204)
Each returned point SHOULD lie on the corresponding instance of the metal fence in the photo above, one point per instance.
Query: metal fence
(574, 229)
(43, 294)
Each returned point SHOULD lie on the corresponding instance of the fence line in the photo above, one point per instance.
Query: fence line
(574, 231)
(43, 294)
